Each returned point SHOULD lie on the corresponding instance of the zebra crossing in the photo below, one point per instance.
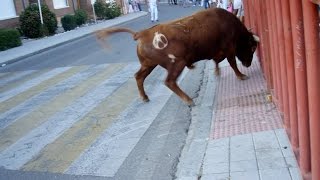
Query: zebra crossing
(81, 120)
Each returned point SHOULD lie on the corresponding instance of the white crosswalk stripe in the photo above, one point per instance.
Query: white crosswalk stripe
(103, 154)
(29, 84)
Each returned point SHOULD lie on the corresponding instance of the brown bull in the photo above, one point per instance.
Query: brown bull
(209, 34)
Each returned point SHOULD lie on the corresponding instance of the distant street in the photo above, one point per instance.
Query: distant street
(73, 112)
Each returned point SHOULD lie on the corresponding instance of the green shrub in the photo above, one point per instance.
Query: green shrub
(49, 19)
(81, 16)
(30, 23)
(9, 38)
(68, 22)
(99, 8)
(112, 11)
(105, 10)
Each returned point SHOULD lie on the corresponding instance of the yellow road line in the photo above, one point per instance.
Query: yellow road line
(22, 126)
(58, 156)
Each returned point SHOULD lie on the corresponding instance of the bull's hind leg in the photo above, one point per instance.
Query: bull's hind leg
(140, 76)
(173, 74)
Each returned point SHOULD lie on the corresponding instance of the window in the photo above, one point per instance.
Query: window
(57, 4)
(7, 9)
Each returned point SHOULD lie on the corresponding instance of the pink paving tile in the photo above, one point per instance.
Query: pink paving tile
(241, 106)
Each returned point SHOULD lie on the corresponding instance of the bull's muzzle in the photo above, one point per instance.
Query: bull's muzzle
(246, 64)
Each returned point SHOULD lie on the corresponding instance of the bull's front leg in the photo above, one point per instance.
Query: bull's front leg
(217, 70)
(233, 64)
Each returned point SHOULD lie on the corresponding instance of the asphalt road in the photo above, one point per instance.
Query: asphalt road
(73, 112)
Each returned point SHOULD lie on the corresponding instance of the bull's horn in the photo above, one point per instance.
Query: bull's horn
(256, 38)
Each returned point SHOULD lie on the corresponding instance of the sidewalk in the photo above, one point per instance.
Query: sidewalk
(247, 140)
(40, 45)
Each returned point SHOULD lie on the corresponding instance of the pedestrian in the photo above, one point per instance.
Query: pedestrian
(196, 2)
(214, 3)
(206, 4)
(224, 4)
(238, 9)
(219, 3)
(138, 4)
(153, 5)
(131, 8)
(230, 6)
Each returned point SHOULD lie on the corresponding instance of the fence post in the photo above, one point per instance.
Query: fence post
(246, 13)
(265, 43)
(301, 85)
(282, 63)
(276, 57)
(290, 75)
(268, 38)
(261, 45)
(311, 23)
(272, 53)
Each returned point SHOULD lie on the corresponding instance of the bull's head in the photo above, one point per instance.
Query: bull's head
(246, 49)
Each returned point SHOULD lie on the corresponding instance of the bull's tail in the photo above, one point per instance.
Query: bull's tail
(104, 33)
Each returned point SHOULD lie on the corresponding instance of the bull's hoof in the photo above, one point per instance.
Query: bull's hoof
(191, 66)
(243, 77)
(145, 99)
(190, 103)
(217, 72)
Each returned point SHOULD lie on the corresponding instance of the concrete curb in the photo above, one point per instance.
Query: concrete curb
(191, 159)
(37, 46)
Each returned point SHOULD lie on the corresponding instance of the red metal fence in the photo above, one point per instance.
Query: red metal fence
(289, 53)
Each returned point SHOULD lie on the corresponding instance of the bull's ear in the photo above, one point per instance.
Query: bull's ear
(256, 38)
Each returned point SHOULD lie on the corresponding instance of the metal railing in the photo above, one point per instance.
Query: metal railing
(289, 53)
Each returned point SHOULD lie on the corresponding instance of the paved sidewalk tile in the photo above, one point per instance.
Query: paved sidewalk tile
(253, 156)
(247, 139)
(275, 174)
(241, 106)
(245, 175)
(220, 176)
(245, 165)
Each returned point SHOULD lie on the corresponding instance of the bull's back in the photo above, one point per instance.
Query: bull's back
(201, 34)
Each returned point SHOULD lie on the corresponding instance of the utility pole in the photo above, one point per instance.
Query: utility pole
(94, 12)
(40, 12)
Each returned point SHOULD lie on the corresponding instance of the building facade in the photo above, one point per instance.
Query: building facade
(11, 9)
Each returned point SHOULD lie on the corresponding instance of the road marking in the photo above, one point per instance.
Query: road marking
(58, 156)
(31, 104)
(29, 84)
(109, 151)
(10, 77)
(19, 98)
(30, 145)
(16, 130)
